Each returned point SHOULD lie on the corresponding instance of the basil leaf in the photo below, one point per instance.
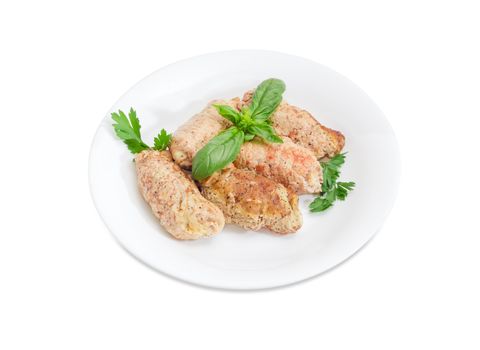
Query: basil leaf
(228, 113)
(217, 153)
(249, 137)
(266, 132)
(266, 98)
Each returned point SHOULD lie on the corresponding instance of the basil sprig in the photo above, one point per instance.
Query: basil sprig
(251, 121)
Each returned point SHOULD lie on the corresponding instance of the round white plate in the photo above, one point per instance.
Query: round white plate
(235, 258)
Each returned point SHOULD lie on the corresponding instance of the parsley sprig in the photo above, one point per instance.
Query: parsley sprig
(128, 130)
(331, 189)
(251, 121)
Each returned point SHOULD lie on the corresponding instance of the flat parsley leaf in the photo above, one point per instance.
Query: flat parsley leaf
(343, 188)
(331, 189)
(162, 141)
(331, 171)
(323, 202)
(128, 130)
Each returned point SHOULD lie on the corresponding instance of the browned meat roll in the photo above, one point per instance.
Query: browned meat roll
(253, 201)
(174, 198)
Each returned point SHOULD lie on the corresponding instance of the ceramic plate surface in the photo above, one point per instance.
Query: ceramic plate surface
(235, 258)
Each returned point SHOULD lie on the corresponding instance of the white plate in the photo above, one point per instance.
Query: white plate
(238, 259)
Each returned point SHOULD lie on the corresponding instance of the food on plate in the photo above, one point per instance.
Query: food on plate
(290, 164)
(250, 121)
(250, 158)
(174, 198)
(253, 201)
(300, 126)
(196, 132)
(199, 132)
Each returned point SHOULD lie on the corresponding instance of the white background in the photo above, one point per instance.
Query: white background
(66, 284)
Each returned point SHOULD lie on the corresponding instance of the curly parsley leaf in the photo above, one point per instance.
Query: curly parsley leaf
(162, 141)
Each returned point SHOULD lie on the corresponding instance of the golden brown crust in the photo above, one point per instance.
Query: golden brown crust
(174, 198)
(253, 201)
(292, 165)
(300, 126)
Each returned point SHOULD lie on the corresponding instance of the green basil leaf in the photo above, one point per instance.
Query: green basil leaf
(266, 132)
(249, 137)
(228, 113)
(266, 98)
(217, 153)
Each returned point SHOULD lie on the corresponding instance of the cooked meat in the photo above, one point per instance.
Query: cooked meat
(253, 201)
(195, 133)
(174, 198)
(292, 165)
(303, 129)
